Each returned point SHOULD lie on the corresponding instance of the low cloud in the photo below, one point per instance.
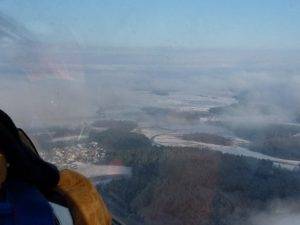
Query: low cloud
(278, 213)
(66, 81)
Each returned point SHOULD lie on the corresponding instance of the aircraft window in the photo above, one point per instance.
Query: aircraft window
(180, 112)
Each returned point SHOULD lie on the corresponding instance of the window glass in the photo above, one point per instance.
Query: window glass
(180, 112)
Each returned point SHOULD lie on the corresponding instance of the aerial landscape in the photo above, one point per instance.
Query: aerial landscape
(179, 112)
(167, 148)
(165, 163)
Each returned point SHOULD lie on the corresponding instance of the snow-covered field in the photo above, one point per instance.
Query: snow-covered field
(171, 140)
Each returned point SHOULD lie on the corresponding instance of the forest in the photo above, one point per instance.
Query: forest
(174, 185)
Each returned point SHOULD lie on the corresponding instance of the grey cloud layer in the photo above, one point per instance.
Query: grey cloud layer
(71, 80)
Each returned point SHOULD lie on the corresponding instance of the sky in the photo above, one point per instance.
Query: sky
(256, 24)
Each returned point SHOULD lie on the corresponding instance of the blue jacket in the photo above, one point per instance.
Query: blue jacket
(23, 204)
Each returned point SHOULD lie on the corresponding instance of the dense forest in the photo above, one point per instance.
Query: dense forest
(278, 140)
(190, 186)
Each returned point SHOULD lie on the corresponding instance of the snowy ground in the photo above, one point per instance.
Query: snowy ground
(163, 137)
